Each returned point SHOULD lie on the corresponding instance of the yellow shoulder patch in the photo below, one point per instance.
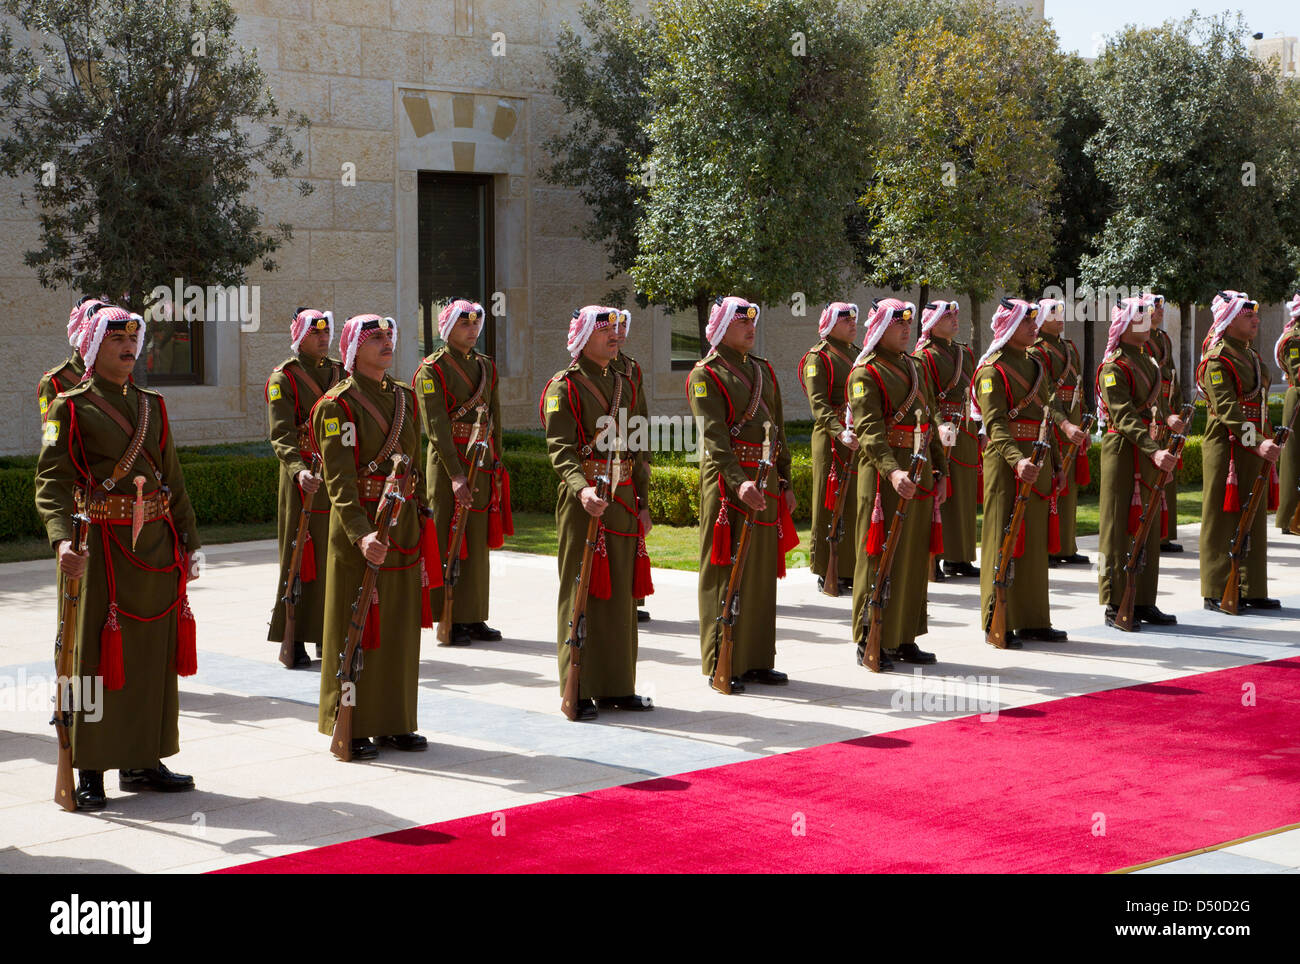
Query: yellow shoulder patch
(331, 427)
(986, 385)
(51, 433)
(859, 389)
(1295, 351)
(553, 404)
(426, 386)
(45, 404)
(1216, 378)
(701, 389)
(810, 370)
(273, 392)
(1108, 379)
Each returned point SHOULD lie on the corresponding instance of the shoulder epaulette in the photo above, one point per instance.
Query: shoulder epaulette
(147, 391)
(338, 388)
(710, 357)
(57, 368)
(75, 389)
(1111, 356)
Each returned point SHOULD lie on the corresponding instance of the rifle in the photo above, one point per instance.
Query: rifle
(947, 450)
(1241, 540)
(1137, 551)
(731, 599)
(874, 614)
(835, 530)
(351, 660)
(995, 630)
(606, 484)
(65, 645)
(478, 439)
(293, 577)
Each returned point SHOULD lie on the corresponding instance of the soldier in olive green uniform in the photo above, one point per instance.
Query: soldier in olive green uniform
(576, 406)
(357, 426)
(1161, 348)
(950, 366)
(629, 366)
(291, 390)
(893, 407)
(824, 374)
(732, 394)
(1134, 409)
(452, 384)
(1063, 371)
(1012, 395)
(1287, 354)
(1236, 448)
(107, 445)
(67, 373)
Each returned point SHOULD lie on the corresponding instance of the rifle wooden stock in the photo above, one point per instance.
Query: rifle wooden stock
(476, 450)
(65, 646)
(996, 630)
(875, 610)
(1136, 559)
(605, 484)
(721, 680)
(1240, 548)
(834, 533)
(350, 661)
(293, 576)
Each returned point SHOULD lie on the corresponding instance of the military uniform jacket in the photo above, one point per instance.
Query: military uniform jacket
(59, 379)
(1161, 348)
(1063, 366)
(1013, 400)
(824, 374)
(1288, 358)
(138, 592)
(951, 366)
(893, 400)
(292, 388)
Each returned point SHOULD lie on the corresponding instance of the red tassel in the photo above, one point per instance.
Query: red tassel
(187, 656)
(936, 530)
(430, 555)
(495, 537)
(832, 489)
(1164, 517)
(1135, 506)
(1231, 498)
(110, 651)
(1053, 528)
(507, 514)
(642, 582)
(1272, 487)
(787, 536)
(876, 532)
(720, 554)
(307, 570)
(948, 482)
(370, 637)
(426, 610)
(600, 585)
(1082, 471)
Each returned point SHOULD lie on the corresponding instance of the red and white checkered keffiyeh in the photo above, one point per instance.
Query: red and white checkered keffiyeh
(1293, 307)
(1006, 319)
(77, 318)
(1050, 309)
(95, 327)
(354, 336)
(880, 317)
(1226, 306)
(1131, 313)
(302, 323)
(831, 314)
(448, 317)
(721, 315)
(930, 316)
(585, 321)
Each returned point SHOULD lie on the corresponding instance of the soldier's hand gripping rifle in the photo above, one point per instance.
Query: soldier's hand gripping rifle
(995, 631)
(293, 577)
(835, 528)
(1136, 560)
(1241, 539)
(731, 599)
(606, 485)
(396, 491)
(874, 614)
(476, 451)
(65, 647)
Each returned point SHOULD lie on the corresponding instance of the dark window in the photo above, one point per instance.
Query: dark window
(455, 253)
(173, 352)
(685, 340)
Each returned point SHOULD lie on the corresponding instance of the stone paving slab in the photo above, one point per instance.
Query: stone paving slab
(267, 784)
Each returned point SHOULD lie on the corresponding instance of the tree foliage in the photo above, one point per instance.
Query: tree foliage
(141, 125)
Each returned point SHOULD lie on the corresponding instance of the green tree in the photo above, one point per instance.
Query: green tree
(758, 149)
(964, 166)
(602, 85)
(1198, 145)
(142, 125)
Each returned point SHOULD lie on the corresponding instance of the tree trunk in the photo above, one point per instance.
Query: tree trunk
(1088, 382)
(1186, 341)
(702, 306)
(976, 329)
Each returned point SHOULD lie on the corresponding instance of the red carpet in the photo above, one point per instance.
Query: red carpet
(1170, 767)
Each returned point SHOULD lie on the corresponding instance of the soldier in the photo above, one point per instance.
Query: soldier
(1011, 394)
(451, 385)
(824, 374)
(733, 393)
(1236, 448)
(1161, 348)
(577, 404)
(291, 390)
(628, 365)
(1063, 373)
(108, 447)
(951, 365)
(357, 426)
(1287, 354)
(69, 372)
(1132, 403)
(893, 406)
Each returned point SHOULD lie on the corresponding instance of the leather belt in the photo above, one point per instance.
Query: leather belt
(1025, 429)
(747, 452)
(461, 431)
(901, 436)
(1066, 395)
(304, 437)
(371, 487)
(1251, 409)
(594, 467)
(118, 508)
(952, 411)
